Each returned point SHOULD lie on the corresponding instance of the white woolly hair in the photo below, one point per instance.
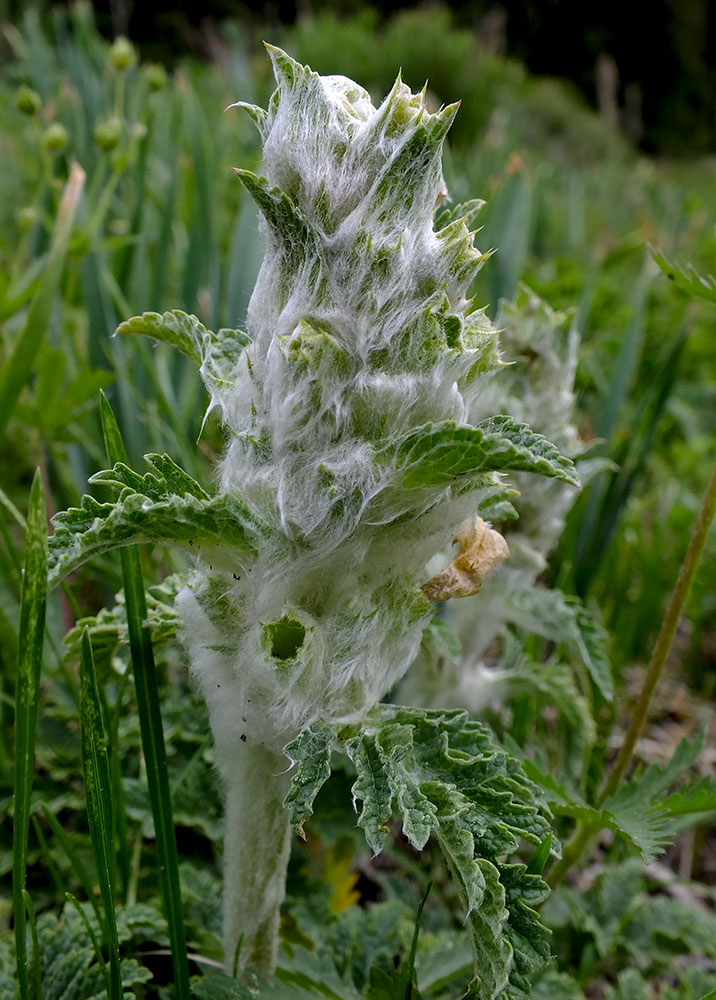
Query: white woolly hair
(349, 354)
(540, 346)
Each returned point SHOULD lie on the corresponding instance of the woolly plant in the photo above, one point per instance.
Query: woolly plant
(537, 387)
(350, 462)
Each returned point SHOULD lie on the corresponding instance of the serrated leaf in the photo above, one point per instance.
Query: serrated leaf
(310, 751)
(217, 354)
(417, 813)
(446, 775)
(645, 825)
(439, 454)
(687, 279)
(660, 922)
(648, 826)
(697, 799)
(218, 528)
(295, 235)
(554, 684)
(491, 944)
(372, 788)
(561, 618)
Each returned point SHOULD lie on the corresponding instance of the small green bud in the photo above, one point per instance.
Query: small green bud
(107, 134)
(28, 100)
(155, 75)
(122, 54)
(55, 137)
(26, 217)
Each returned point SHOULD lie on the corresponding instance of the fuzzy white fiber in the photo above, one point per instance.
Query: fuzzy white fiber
(537, 388)
(349, 355)
(361, 333)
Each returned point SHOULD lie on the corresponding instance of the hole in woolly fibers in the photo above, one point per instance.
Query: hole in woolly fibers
(285, 637)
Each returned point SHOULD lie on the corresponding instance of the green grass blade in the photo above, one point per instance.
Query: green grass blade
(30, 909)
(47, 856)
(119, 812)
(30, 646)
(150, 721)
(19, 365)
(73, 856)
(98, 791)
(626, 363)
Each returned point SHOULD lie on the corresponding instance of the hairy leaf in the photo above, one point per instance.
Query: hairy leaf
(217, 528)
(311, 751)
(437, 454)
(443, 773)
(216, 353)
(373, 789)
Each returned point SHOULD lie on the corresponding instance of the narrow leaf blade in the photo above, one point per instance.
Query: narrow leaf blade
(95, 767)
(152, 733)
(30, 646)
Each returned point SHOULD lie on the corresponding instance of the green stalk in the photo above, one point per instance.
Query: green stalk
(257, 845)
(666, 637)
(98, 792)
(29, 667)
(150, 723)
(584, 833)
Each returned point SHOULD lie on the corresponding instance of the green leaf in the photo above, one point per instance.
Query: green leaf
(218, 529)
(540, 857)
(443, 773)
(687, 279)
(417, 813)
(29, 668)
(400, 983)
(95, 767)
(29, 341)
(647, 826)
(311, 751)
(292, 230)
(438, 454)
(630, 812)
(699, 798)
(556, 616)
(217, 354)
(373, 789)
(150, 721)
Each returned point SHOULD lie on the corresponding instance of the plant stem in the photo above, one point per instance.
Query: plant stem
(256, 851)
(666, 637)
(584, 833)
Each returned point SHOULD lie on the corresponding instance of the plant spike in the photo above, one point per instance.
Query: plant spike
(352, 458)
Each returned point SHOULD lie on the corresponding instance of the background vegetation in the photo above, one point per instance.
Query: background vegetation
(155, 220)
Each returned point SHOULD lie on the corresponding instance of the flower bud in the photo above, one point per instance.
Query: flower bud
(122, 54)
(155, 75)
(55, 137)
(28, 101)
(107, 134)
(26, 217)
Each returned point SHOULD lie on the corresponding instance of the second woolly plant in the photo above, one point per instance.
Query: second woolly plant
(350, 462)
(471, 656)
